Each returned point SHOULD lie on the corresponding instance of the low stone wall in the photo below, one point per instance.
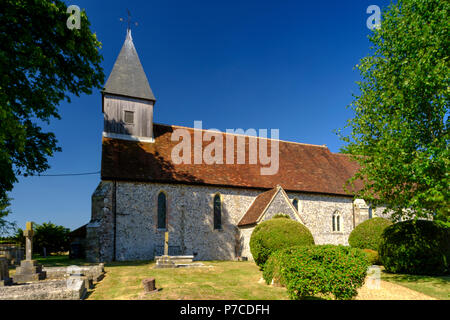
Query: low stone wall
(93, 273)
(61, 283)
(45, 290)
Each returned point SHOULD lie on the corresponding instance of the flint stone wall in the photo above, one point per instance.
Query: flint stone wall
(190, 220)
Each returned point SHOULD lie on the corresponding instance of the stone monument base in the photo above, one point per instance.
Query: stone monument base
(29, 271)
(165, 262)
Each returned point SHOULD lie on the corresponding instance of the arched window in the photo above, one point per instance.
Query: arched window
(336, 222)
(217, 212)
(295, 203)
(162, 210)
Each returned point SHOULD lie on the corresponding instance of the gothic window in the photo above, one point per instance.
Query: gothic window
(162, 210)
(295, 203)
(336, 222)
(217, 212)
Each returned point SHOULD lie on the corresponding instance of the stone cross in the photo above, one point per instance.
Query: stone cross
(28, 233)
(166, 243)
(29, 269)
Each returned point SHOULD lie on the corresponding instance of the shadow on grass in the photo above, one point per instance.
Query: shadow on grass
(64, 261)
(60, 261)
(90, 291)
(137, 263)
(438, 280)
(313, 298)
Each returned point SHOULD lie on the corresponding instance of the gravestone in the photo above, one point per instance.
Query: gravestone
(4, 272)
(29, 269)
(149, 285)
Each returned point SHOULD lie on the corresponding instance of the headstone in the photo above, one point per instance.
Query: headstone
(4, 272)
(29, 269)
(149, 285)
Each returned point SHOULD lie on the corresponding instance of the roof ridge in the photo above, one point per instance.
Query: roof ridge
(237, 134)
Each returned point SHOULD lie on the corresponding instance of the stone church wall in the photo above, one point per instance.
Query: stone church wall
(190, 220)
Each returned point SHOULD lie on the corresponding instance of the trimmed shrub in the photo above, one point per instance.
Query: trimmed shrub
(372, 256)
(272, 270)
(275, 234)
(367, 235)
(419, 247)
(324, 269)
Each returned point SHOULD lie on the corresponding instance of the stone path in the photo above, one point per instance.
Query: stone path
(390, 291)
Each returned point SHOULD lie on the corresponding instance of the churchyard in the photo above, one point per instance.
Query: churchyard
(233, 280)
(32, 280)
(58, 277)
(236, 280)
(239, 280)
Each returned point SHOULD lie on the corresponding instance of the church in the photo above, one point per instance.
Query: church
(208, 209)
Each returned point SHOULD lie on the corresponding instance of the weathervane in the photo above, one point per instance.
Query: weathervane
(129, 20)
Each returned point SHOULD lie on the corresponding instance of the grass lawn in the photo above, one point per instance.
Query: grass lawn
(433, 286)
(218, 280)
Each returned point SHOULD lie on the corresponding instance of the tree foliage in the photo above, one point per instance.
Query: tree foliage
(416, 247)
(52, 237)
(41, 62)
(5, 226)
(400, 132)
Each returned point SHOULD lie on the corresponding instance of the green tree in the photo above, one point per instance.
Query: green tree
(42, 61)
(400, 132)
(5, 226)
(52, 237)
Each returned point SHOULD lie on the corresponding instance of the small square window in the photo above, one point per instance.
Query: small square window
(129, 117)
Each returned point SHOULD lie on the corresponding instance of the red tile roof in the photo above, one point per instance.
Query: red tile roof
(302, 167)
(257, 208)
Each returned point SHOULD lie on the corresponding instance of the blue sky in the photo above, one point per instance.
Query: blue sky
(286, 65)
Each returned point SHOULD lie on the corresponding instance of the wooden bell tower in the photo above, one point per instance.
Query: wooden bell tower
(127, 99)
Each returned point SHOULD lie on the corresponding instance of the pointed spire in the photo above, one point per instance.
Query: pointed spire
(128, 77)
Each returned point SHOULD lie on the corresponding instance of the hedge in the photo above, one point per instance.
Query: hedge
(275, 234)
(419, 247)
(324, 269)
(367, 235)
(372, 256)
